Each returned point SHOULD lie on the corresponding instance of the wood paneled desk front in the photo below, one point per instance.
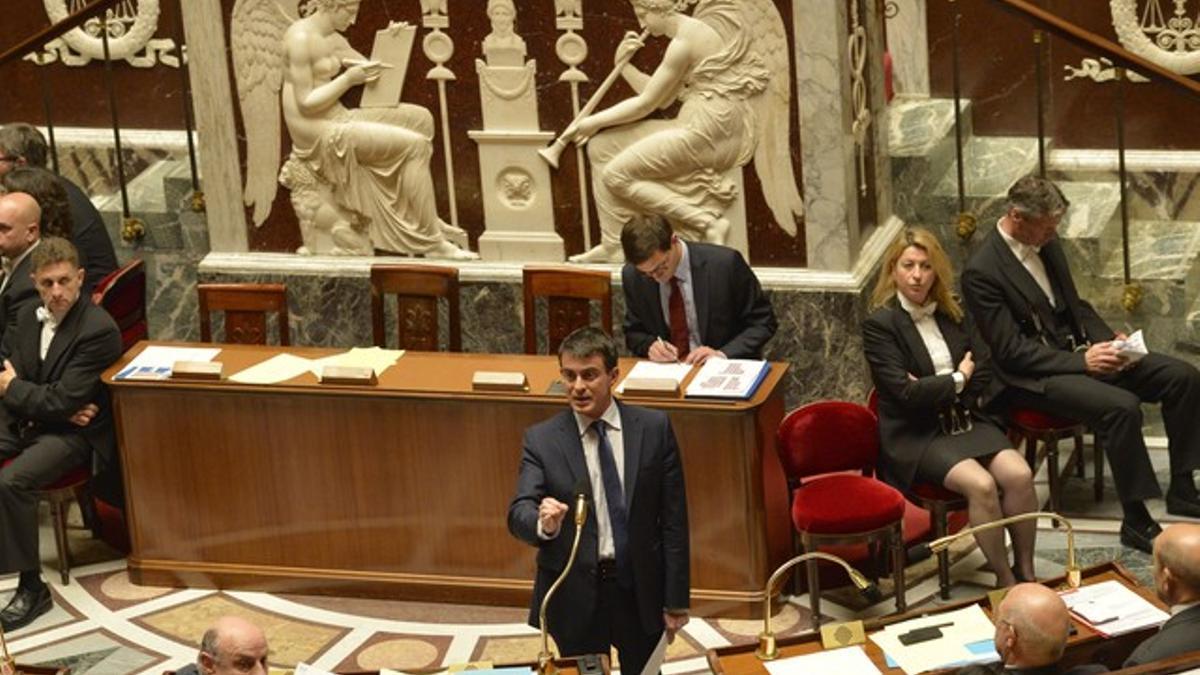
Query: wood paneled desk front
(402, 489)
(1084, 646)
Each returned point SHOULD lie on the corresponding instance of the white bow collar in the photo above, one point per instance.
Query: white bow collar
(917, 312)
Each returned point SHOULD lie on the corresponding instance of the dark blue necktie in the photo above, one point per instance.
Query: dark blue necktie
(615, 497)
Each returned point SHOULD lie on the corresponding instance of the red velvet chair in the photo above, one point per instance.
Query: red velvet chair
(122, 293)
(828, 450)
(1033, 427)
(939, 501)
(68, 488)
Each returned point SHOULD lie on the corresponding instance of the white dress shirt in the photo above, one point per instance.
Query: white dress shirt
(591, 455)
(935, 342)
(49, 328)
(683, 272)
(1028, 255)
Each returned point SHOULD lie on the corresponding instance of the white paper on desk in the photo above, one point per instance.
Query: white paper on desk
(1132, 348)
(159, 356)
(847, 660)
(375, 358)
(305, 669)
(1112, 608)
(968, 625)
(650, 370)
(278, 368)
(657, 657)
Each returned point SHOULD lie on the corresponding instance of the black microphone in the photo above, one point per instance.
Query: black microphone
(871, 593)
(915, 554)
(582, 494)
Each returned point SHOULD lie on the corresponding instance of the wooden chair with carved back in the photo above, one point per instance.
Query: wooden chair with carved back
(569, 294)
(246, 308)
(418, 290)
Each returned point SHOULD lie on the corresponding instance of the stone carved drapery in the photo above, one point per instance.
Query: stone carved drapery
(359, 178)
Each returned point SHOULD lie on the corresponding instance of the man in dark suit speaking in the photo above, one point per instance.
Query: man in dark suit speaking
(689, 301)
(1058, 356)
(54, 410)
(1177, 582)
(630, 581)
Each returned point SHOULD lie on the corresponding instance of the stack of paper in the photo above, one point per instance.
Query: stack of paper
(649, 370)
(1132, 348)
(728, 378)
(156, 361)
(845, 660)
(283, 367)
(1111, 608)
(960, 629)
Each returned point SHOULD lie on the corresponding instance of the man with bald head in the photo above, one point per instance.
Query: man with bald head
(232, 646)
(1032, 624)
(1177, 582)
(19, 235)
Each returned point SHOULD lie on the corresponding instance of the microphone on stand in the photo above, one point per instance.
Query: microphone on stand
(545, 657)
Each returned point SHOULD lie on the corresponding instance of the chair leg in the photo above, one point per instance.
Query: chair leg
(58, 514)
(1078, 455)
(897, 543)
(1097, 468)
(1052, 472)
(940, 528)
(814, 592)
(1030, 451)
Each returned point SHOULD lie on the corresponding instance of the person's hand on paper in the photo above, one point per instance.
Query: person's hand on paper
(662, 351)
(673, 622)
(701, 354)
(7, 376)
(550, 514)
(1103, 358)
(85, 415)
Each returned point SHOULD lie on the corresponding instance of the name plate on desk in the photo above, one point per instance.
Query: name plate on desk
(359, 375)
(495, 380)
(650, 386)
(843, 634)
(197, 370)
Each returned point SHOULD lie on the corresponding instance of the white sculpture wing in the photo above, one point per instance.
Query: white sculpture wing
(256, 38)
(773, 117)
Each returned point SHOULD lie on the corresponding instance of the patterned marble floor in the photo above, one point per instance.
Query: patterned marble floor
(102, 624)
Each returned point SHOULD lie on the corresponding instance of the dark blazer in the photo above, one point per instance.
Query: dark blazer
(999, 669)
(734, 315)
(552, 463)
(908, 409)
(96, 253)
(18, 293)
(47, 393)
(1014, 314)
(1180, 634)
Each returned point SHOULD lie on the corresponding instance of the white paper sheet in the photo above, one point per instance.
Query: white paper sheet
(376, 358)
(278, 368)
(656, 658)
(650, 370)
(846, 661)
(967, 625)
(1133, 348)
(157, 356)
(1112, 608)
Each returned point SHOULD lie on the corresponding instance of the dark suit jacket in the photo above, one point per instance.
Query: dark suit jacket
(18, 294)
(96, 253)
(999, 669)
(552, 463)
(1015, 317)
(47, 393)
(1180, 634)
(908, 409)
(734, 315)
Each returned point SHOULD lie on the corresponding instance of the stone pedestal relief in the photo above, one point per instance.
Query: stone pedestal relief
(359, 178)
(517, 202)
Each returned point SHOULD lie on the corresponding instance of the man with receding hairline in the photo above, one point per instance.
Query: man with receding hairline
(231, 646)
(1177, 582)
(19, 235)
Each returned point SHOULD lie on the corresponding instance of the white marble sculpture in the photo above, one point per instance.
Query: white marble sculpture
(517, 199)
(728, 63)
(130, 25)
(1171, 42)
(359, 178)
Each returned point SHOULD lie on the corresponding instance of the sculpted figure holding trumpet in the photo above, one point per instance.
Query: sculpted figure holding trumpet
(727, 64)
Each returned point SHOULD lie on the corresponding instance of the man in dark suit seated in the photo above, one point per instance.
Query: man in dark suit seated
(23, 145)
(54, 411)
(630, 581)
(690, 301)
(1058, 356)
(19, 235)
(1177, 582)
(233, 646)
(1032, 625)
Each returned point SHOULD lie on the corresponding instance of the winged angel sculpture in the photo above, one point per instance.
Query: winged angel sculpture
(728, 64)
(359, 178)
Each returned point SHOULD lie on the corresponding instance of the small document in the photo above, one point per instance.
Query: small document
(654, 664)
(375, 358)
(960, 629)
(847, 660)
(650, 371)
(728, 378)
(278, 368)
(305, 669)
(1132, 348)
(156, 361)
(1111, 608)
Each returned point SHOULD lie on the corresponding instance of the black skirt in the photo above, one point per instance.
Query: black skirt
(982, 443)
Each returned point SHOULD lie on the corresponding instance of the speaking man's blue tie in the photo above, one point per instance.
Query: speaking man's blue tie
(615, 497)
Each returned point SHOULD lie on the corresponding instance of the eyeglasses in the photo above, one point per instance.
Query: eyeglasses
(9, 158)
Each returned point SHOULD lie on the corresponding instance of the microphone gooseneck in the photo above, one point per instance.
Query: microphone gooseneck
(545, 657)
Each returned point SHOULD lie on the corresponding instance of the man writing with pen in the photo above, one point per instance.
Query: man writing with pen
(690, 301)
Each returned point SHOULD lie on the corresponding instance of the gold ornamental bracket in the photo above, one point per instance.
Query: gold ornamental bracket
(1131, 296)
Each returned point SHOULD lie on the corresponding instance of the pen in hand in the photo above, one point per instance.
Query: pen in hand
(668, 347)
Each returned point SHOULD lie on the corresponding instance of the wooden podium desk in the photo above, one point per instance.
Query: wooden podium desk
(1085, 646)
(402, 489)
